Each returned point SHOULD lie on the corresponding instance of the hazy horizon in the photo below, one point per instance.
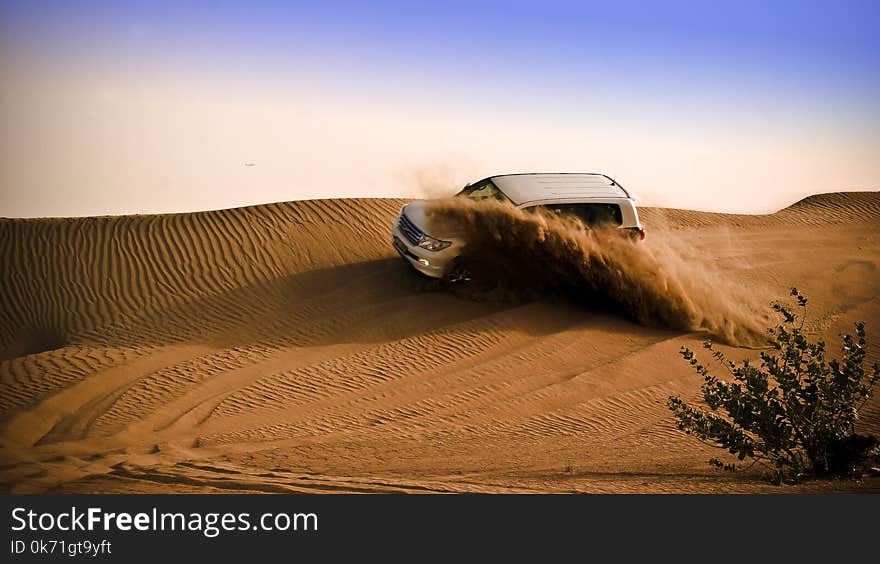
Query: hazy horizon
(129, 107)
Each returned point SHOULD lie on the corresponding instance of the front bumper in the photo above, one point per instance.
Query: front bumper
(435, 265)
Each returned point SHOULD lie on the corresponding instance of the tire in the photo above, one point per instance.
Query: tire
(458, 274)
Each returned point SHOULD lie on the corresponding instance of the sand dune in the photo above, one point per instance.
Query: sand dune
(285, 347)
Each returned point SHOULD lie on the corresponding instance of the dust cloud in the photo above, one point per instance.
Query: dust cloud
(511, 252)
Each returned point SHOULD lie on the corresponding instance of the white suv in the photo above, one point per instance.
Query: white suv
(592, 198)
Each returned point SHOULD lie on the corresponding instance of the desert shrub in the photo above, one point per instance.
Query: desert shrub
(795, 413)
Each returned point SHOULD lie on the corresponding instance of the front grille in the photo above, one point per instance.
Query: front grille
(409, 230)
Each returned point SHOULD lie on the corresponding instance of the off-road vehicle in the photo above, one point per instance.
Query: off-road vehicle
(596, 200)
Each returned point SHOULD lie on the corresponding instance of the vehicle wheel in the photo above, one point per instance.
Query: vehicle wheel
(458, 274)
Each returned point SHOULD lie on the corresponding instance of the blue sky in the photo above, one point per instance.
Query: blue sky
(676, 99)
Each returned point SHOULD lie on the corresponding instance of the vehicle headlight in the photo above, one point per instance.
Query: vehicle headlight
(432, 244)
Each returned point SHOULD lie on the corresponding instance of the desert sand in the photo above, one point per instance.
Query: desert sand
(286, 348)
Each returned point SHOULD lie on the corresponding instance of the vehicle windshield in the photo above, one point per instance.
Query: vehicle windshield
(591, 215)
(483, 190)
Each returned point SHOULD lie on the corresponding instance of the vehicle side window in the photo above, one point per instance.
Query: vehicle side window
(591, 215)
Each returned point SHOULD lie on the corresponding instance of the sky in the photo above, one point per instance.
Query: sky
(150, 107)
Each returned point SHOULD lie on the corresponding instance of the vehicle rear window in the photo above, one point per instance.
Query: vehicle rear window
(591, 215)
